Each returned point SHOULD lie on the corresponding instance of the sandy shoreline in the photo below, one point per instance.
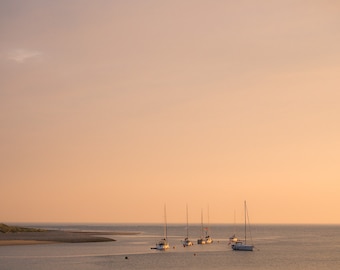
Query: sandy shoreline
(23, 242)
(49, 236)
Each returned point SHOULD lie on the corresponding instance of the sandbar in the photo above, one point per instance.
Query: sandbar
(56, 236)
(23, 242)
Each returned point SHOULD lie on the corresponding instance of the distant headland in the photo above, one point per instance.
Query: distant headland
(14, 229)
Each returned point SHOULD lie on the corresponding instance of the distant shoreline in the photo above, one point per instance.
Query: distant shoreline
(34, 236)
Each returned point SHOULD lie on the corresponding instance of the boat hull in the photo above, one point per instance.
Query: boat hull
(208, 240)
(201, 242)
(162, 245)
(242, 247)
(186, 242)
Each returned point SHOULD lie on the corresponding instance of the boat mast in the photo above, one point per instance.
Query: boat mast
(187, 223)
(234, 221)
(245, 222)
(165, 223)
(202, 223)
(207, 231)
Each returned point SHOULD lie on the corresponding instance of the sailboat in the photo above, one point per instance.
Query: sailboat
(163, 244)
(208, 239)
(201, 241)
(239, 245)
(233, 238)
(186, 242)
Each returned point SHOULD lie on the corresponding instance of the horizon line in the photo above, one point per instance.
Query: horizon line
(157, 223)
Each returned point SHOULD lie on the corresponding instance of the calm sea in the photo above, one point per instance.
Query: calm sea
(276, 247)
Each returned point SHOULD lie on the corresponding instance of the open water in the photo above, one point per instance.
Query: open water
(276, 247)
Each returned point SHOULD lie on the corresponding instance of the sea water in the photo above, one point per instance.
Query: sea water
(276, 247)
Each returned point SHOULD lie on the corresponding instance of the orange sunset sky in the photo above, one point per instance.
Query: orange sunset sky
(109, 109)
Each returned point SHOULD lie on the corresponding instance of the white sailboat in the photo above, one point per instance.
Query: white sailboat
(239, 245)
(163, 244)
(208, 239)
(201, 241)
(186, 242)
(233, 238)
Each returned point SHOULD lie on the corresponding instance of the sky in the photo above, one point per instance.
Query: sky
(111, 109)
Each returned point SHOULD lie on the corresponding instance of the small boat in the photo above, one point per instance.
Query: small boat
(186, 242)
(233, 238)
(237, 244)
(202, 240)
(208, 239)
(241, 247)
(163, 244)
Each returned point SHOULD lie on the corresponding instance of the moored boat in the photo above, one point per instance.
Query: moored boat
(186, 242)
(201, 241)
(208, 239)
(240, 245)
(163, 244)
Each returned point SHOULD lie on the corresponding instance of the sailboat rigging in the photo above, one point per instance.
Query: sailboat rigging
(239, 245)
(163, 244)
(201, 241)
(186, 242)
(208, 239)
(233, 238)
